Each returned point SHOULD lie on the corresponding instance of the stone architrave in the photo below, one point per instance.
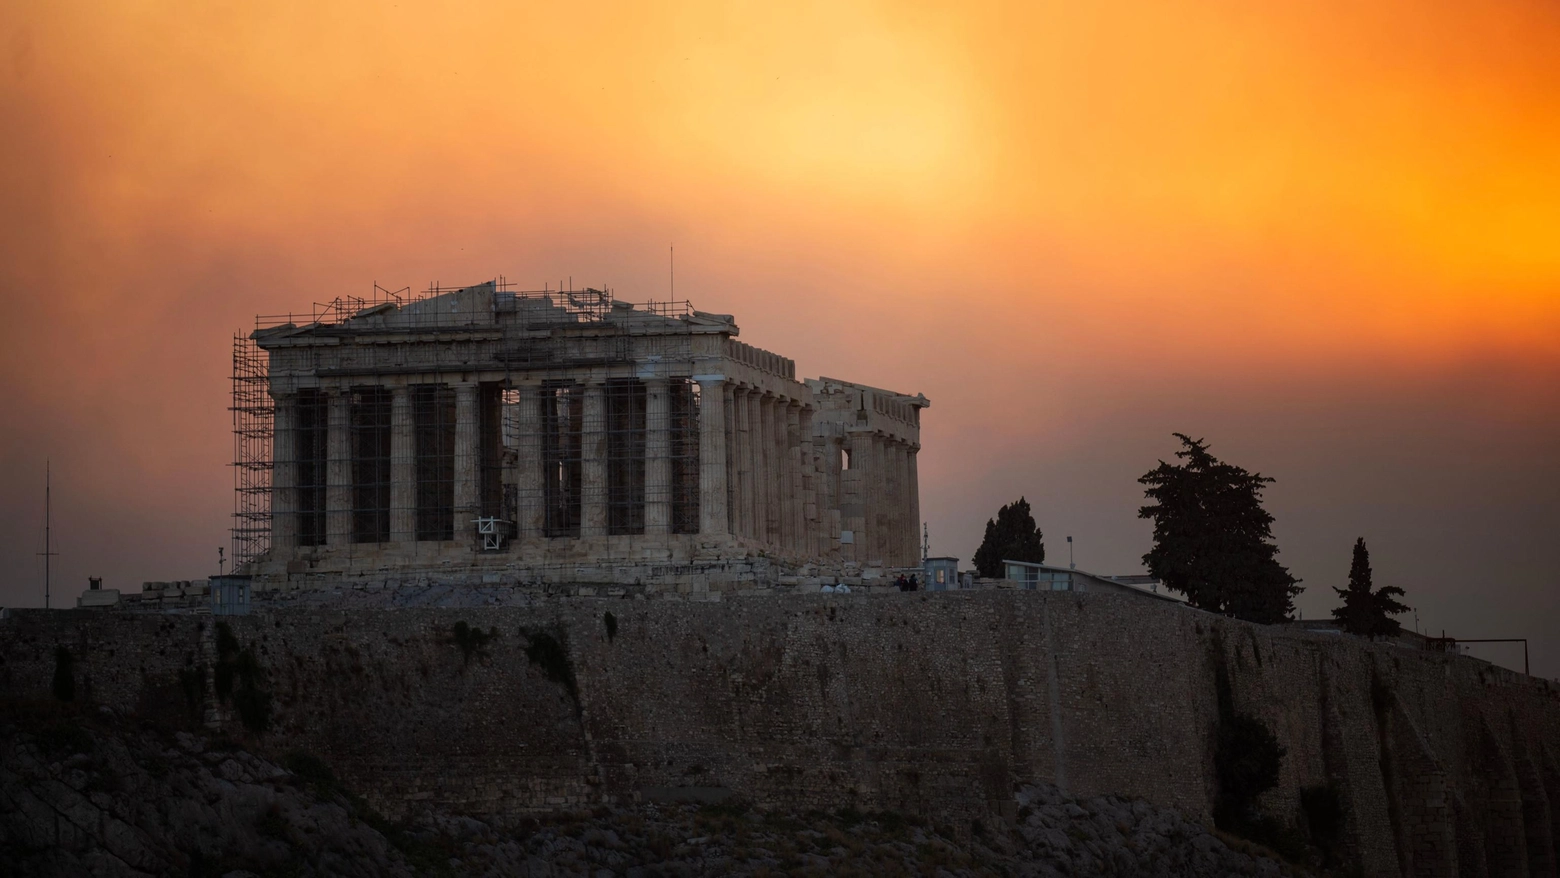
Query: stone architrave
(658, 458)
(403, 467)
(338, 469)
(593, 469)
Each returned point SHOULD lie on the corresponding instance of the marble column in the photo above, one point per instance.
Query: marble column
(781, 477)
(712, 455)
(338, 469)
(284, 476)
(729, 394)
(880, 499)
(757, 484)
(915, 498)
(744, 494)
(795, 505)
(468, 462)
(658, 458)
(529, 502)
(403, 467)
(890, 522)
(831, 449)
(593, 469)
(811, 500)
(770, 532)
(904, 543)
(856, 497)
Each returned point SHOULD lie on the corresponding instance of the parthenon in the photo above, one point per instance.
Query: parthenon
(563, 435)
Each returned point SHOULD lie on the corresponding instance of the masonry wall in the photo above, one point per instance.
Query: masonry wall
(932, 703)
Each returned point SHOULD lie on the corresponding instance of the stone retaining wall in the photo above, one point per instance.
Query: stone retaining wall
(934, 703)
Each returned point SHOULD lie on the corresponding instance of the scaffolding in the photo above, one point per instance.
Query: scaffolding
(252, 436)
(343, 444)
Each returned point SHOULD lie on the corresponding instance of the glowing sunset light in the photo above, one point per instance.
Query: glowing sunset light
(1324, 235)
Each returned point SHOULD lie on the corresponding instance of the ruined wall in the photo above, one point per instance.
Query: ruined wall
(933, 703)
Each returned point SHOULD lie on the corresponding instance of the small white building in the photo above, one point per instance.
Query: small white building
(1047, 577)
(940, 574)
(229, 595)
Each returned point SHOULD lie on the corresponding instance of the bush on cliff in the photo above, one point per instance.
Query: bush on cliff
(1322, 806)
(241, 680)
(472, 641)
(548, 653)
(1213, 539)
(1247, 759)
(64, 685)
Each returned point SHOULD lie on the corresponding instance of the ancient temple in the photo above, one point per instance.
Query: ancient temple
(561, 436)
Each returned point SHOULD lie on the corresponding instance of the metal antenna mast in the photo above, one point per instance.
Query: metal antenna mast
(47, 552)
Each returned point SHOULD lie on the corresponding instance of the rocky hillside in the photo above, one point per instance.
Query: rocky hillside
(91, 794)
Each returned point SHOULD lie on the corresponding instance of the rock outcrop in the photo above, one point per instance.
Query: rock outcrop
(104, 797)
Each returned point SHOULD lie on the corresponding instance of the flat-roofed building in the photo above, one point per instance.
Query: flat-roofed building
(1049, 577)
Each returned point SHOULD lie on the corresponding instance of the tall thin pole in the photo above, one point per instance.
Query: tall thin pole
(671, 256)
(48, 552)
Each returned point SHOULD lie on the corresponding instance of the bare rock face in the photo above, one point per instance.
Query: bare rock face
(97, 796)
(1056, 836)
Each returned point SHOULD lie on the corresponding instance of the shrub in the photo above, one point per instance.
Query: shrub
(193, 681)
(1246, 761)
(472, 641)
(546, 652)
(64, 674)
(1323, 809)
(254, 709)
(241, 679)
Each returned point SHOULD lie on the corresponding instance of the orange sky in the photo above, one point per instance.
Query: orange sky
(1325, 235)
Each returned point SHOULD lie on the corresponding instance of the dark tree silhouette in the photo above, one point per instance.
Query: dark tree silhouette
(1013, 536)
(1213, 539)
(1364, 611)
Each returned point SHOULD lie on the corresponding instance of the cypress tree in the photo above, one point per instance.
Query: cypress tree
(1366, 611)
(1012, 536)
(1213, 539)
